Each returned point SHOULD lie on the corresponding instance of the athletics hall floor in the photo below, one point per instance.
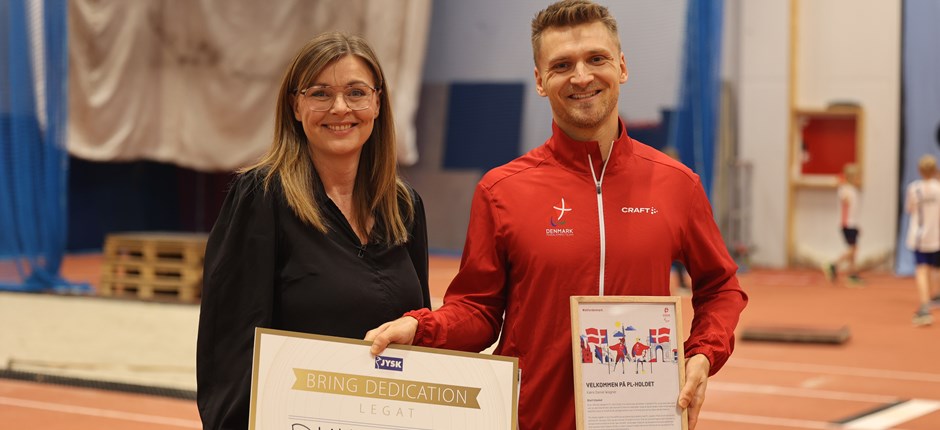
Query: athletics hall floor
(96, 358)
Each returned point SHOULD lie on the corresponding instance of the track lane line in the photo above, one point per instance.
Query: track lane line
(746, 363)
(767, 421)
(800, 392)
(100, 413)
(897, 414)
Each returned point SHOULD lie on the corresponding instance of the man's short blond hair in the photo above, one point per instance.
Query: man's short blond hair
(927, 165)
(568, 13)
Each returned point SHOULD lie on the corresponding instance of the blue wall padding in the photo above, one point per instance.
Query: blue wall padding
(139, 196)
(921, 87)
(483, 125)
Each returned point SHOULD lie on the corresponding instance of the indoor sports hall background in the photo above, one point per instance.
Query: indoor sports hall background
(129, 116)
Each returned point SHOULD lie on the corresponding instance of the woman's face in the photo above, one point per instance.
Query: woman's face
(338, 131)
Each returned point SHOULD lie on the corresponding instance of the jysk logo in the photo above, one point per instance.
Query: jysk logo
(389, 363)
(557, 225)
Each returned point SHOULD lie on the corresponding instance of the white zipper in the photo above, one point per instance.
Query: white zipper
(600, 215)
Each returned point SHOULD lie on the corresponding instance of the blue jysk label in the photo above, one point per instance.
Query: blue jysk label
(389, 363)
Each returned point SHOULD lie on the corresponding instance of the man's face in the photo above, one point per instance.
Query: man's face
(580, 70)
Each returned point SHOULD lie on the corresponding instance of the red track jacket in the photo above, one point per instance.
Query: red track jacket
(542, 228)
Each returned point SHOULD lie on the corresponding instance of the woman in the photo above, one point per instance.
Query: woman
(321, 236)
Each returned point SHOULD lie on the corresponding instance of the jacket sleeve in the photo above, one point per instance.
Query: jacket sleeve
(717, 297)
(237, 296)
(418, 247)
(472, 313)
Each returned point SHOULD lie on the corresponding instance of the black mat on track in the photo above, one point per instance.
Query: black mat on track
(101, 385)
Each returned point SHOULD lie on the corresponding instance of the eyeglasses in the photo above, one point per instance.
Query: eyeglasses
(321, 97)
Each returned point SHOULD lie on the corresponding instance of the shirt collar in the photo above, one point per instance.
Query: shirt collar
(573, 154)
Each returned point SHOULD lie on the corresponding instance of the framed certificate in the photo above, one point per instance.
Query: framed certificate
(303, 381)
(629, 362)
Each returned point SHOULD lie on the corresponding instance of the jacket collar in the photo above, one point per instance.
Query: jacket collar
(573, 154)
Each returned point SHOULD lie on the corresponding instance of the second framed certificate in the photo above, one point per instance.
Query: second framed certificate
(629, 362)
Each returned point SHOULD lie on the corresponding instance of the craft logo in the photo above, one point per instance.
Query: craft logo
(666, 316)
(648, 211)
(389, 363)
(558, 224)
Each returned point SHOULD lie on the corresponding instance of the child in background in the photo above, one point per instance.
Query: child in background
(849, 195)
(922, 203)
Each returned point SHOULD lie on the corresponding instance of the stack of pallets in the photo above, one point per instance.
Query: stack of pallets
(154, 265)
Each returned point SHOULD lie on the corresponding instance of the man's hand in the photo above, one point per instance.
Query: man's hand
(692, 395)
(401, 331)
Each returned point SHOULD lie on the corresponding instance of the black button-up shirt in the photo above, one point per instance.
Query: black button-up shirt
(264, 267)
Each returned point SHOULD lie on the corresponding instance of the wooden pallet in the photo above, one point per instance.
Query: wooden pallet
(156, 247)
(153, 265)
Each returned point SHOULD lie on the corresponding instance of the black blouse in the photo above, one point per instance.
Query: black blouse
(265, 268)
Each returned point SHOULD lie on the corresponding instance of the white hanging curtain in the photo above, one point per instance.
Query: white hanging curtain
(193, 83)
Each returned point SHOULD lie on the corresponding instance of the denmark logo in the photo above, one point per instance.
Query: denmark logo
(557, 224)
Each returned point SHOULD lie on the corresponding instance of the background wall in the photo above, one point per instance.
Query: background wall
(853, 56)
(848, 50)
(762, 50)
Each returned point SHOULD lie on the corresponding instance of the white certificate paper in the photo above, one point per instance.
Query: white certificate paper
(308, 382)
(629, 362)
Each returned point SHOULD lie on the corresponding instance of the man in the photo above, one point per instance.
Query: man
(590, 212)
